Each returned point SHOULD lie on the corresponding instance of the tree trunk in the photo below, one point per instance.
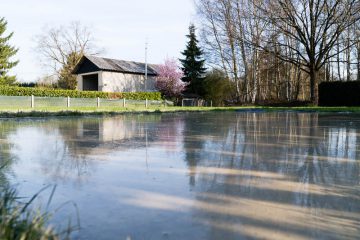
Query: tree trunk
(255, 77)
(348, 57)
(314, 87)
(338, 62)
(241, 43)
(358, 61)
(298, 80)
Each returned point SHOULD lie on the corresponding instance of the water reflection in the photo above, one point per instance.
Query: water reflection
(199, 175)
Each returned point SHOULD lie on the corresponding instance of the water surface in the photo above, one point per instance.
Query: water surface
(193, 175)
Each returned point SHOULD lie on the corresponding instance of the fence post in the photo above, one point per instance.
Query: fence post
(182, 102)
(68, 102)
(210, 103)
(124, 102)
(146, 103)
(32, 101)
(98, 102)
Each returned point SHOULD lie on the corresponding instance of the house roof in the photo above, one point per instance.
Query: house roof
(112, 65)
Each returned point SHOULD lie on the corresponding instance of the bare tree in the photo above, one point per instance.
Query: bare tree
(228, 28)
(225, 26)
(279, 50)
(315, 24)
(357, 49)
(61, 48)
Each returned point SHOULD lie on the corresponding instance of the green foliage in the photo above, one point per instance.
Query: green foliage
(26, 84)
(218, 87)
(193, 64)
(19, 222)
(6, 52)
(45, 92)
(67, 80)
(142, 95)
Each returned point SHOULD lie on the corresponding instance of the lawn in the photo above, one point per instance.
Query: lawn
(79, 111)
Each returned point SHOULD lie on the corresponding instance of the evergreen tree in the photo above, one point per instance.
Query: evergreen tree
(6, 52)
(66, 79)
(193, 64)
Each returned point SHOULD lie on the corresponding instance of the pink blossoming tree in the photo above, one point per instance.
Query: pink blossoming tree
(168, 81)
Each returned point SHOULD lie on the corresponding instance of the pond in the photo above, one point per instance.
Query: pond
(220, 175)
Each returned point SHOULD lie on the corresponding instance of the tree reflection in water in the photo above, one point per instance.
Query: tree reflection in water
(6, 159)
(251, 175)
(315, 158)
(66, 148)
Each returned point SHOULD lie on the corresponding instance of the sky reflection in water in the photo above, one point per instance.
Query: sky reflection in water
(194, 175)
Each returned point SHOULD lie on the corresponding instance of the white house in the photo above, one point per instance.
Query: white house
(110, 75)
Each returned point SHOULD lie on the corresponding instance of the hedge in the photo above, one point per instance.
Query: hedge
(45, 92)
(339, 94)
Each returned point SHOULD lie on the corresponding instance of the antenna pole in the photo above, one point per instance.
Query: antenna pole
(146, 65)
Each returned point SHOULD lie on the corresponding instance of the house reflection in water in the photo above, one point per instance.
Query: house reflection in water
(213, 175)
(96, 135)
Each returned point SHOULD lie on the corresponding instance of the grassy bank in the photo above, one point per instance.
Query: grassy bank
(17, 221)
(51, 112)
(20, 220)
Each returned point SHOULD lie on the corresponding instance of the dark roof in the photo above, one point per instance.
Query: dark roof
(93, 63)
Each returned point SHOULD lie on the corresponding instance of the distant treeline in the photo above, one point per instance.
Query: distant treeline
(281, 50)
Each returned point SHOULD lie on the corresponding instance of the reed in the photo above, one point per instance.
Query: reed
(19, 221)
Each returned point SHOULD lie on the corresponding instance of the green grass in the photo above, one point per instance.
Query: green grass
(20, 221)
(17, 221)
(313, 109)
(81, 111)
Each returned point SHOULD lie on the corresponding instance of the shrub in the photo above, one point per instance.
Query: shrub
(27, 84)
(218, 88)
(339, 94)
(45, 92)
(141, 95)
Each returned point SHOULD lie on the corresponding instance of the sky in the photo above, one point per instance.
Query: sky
(120, 27)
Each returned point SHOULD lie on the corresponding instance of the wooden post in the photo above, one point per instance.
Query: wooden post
(98, 102)
(146, 103)
(210, 103)
(124, 102)
(32, 101)
(68, 102)
(182, 102)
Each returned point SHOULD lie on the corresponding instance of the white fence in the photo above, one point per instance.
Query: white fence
(21, 102)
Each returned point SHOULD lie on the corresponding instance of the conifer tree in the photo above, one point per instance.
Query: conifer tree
(6, 52)
(67, 80)
(193, 64)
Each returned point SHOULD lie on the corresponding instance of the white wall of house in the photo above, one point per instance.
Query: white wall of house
(119, 129)
(121, 82)
(125, 82)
